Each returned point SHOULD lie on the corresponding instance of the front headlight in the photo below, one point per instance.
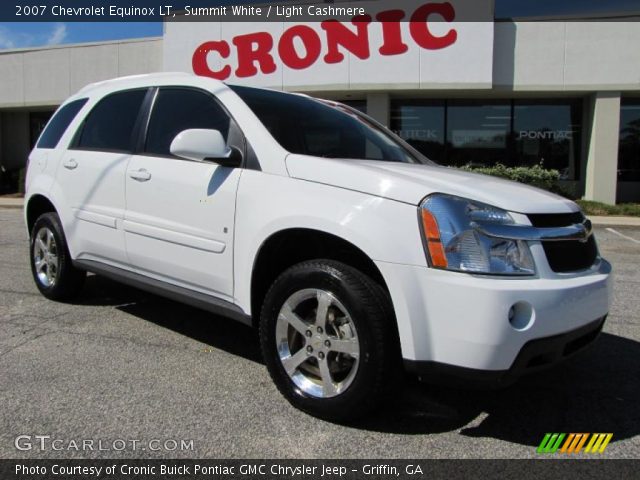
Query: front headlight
(453, 243)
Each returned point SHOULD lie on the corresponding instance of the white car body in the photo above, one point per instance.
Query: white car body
(178, 230)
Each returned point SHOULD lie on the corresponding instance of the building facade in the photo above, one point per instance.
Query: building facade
(564, 94)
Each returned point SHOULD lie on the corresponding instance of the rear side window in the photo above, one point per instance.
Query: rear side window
(109, 126)
(59, 124)
(178, 109)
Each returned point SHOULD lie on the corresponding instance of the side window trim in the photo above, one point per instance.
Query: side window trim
(73, 145)
(144, 117)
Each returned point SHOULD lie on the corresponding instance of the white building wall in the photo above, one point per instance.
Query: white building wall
(466, 64)
(567, 56)
(46, 77)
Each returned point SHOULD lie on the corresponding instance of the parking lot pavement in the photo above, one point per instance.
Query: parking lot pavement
(120, 364)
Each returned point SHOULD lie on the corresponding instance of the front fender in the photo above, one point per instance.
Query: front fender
(385, 230)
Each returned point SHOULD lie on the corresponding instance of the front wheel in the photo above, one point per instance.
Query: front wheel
(328, 339)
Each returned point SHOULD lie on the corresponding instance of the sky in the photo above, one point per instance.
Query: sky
(19, 35)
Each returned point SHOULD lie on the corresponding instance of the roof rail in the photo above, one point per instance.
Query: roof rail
(115, 81)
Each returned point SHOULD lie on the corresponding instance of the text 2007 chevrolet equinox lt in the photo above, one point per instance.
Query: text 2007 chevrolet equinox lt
(353, 254)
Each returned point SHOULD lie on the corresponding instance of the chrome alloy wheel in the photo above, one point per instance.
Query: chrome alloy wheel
(45, 257)
(317, 343)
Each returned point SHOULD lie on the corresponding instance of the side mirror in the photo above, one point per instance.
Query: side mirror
(202, 145)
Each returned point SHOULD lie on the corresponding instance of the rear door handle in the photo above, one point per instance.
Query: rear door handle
(70, 164)
(141, 175)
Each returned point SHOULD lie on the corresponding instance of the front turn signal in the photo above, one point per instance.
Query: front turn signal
(432, 239)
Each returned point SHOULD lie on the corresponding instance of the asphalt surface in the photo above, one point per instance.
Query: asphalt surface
(121, 365)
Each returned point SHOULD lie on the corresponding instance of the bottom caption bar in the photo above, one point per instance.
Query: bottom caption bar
(69, 469)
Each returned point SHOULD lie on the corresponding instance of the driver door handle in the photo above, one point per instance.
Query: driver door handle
(141, 175)
(70, 164)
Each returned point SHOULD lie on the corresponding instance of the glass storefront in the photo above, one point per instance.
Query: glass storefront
(360, 105)
(478, 133)
(422, 124)
(549, 134)
(483, 133)
(629, 149)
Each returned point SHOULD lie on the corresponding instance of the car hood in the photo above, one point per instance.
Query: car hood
(410, 183)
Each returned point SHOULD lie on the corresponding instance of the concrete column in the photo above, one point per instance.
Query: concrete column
(602, 160)
(378, 107)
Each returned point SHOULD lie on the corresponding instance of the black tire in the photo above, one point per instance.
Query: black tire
(369, 307)
(68, 279)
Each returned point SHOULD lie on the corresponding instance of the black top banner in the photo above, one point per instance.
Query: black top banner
(298, 10)
(220, 10)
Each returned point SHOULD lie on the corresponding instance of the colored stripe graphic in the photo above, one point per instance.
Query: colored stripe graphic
(550, 443)
(598, 442)
(574, 442)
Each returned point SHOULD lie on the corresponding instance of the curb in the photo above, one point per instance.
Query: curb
(11, 202)
(615, 221)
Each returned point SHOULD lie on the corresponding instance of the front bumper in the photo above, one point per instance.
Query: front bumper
(461, 320)
(534, 356)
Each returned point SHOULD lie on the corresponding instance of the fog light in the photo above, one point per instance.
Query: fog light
(521, 316)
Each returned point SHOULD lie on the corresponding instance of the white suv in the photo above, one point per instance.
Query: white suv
(353, 254)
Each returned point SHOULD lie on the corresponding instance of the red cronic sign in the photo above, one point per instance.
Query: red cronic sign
(257, 50)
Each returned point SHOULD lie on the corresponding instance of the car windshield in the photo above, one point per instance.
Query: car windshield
(307, 126)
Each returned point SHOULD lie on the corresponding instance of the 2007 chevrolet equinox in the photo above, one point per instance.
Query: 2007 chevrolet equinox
(353, 254)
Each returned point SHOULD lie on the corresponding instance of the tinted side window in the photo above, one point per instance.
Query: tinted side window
(59, 124)
(310, 127)
(109, 126)
(178, 109)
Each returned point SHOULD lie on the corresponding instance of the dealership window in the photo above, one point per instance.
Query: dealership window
(629, 148)
(422, 125)
(360, 105)
(483, 133)
(478, 133)
(547, 133)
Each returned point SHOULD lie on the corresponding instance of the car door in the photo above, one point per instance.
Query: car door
(91, 177)
(180, 214)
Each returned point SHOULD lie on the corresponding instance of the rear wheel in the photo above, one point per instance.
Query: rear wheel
(328, 339)
(51, 266)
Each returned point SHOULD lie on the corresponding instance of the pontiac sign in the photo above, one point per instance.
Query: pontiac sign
(411, 45)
